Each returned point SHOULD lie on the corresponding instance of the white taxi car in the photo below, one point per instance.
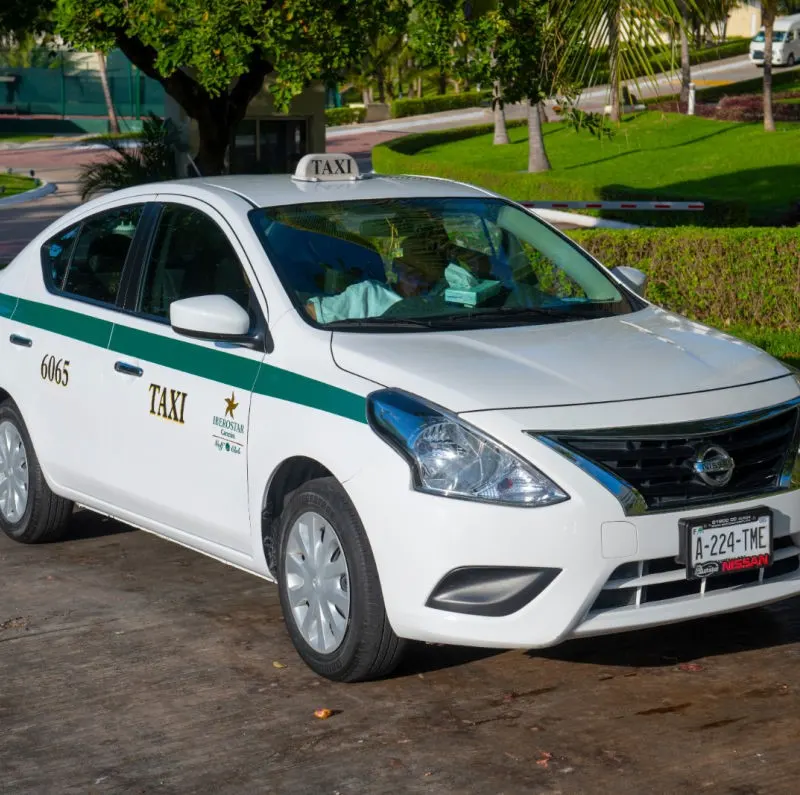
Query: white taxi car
(422, 410)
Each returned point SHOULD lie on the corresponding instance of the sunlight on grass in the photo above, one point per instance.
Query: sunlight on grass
(667, 155)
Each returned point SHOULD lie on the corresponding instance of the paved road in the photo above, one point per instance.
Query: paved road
(19, 223)
(130, 665)
(729, 70)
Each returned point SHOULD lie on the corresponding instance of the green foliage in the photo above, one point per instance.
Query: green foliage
(517, 44)
(23, 17)
(726, 278)
(415, 107)
(152, 161)
(596, 123)
(437, 34)
(218, 41)
(336, 116)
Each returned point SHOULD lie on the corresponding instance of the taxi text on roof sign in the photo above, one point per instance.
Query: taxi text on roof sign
(327, 168)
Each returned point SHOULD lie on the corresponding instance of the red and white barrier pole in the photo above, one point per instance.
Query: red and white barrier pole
(607, 205)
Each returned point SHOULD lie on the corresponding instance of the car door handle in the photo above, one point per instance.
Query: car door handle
(128, 369)
(17, 340)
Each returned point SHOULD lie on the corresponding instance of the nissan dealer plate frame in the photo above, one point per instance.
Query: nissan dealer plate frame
(726, 543)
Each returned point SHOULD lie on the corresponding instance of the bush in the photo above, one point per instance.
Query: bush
(402, 156)
(744, 108)
(337, 116)
(726, 278)
(416, 107)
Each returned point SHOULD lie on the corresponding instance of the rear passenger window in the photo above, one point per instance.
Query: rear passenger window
(56, 254)
(87, 260)
(191, 256)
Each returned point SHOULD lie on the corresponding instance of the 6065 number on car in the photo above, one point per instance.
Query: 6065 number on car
(55, 370)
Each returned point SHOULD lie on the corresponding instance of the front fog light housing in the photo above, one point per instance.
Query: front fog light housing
(450, 458)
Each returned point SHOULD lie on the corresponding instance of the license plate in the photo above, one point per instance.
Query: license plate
(726, 543)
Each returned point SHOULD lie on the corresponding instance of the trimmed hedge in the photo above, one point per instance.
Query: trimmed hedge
(435, 104)
(402, 156)
(727, 278)
(337, 116)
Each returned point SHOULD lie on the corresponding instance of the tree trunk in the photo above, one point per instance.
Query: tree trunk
(613, 52)
(381, 79)
(500, 131)
(769, 25)
(442, 82)
(113, 122)
(686, 69)
(537, 155)
(419, 88)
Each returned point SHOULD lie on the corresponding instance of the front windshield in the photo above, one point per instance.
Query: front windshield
(777, 36)
(432, 263)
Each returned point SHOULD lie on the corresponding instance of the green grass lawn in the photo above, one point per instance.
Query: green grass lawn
(13, 138)
(14, 184)
(652, 155)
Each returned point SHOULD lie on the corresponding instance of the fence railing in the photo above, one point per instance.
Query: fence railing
(64, 86)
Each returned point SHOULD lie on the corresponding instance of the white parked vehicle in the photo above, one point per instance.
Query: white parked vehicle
(785, 42)
(422, 410)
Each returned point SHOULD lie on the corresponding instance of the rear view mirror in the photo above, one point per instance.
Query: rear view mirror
(632, 277)
(211, 317)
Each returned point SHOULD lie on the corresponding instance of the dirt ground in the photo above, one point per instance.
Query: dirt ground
(131, 665)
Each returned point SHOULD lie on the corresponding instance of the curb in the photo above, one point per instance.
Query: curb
(45, 189)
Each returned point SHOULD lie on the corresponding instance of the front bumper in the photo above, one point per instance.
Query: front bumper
(594, 548)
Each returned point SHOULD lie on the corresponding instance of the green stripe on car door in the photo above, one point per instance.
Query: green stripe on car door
(211, 363)
(8, 303)
(216, 365)
(75, 325)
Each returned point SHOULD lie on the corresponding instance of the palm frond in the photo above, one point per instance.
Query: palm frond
(153, 160)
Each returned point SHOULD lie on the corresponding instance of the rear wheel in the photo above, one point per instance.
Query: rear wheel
(29, 512)
(329, 587)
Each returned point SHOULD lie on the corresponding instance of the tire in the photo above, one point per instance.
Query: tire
(790, 61)
(361, 645)
(45, 515)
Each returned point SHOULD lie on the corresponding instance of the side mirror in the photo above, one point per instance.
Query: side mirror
(632, 277)
(212, 317)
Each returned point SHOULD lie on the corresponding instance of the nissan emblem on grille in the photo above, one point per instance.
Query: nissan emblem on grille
(714, 466)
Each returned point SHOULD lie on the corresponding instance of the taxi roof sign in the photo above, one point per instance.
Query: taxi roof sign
(327, 168)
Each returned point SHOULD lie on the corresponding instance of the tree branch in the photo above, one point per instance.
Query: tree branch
(184, 89)
(248, 85)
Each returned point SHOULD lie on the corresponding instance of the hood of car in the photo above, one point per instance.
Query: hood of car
(647, 354)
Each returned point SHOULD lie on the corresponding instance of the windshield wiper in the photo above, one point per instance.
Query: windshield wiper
(501, 315)
(379, 322)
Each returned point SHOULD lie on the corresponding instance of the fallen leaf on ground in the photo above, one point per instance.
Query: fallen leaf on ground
(14, 623)
(276, 664)
(323, 714)
(690, 667)
(545, 760)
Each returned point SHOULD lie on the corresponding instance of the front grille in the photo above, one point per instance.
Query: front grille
(758, 54)
(658, 462)
(644, 582)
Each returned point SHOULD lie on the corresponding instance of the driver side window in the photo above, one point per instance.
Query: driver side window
(191, 256)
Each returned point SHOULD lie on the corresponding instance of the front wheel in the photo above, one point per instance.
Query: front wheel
(29, 512)
(329, 587)
(790, 61)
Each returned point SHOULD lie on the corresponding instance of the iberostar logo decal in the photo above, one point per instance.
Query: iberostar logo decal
(228, 433)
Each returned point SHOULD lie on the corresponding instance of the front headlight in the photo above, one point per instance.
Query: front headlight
(450, 458)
